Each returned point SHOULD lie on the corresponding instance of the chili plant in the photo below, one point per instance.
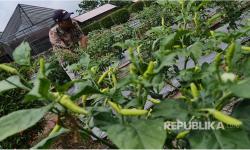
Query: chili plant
(120, 106)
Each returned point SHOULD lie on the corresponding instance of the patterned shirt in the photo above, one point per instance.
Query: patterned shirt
(61, 39)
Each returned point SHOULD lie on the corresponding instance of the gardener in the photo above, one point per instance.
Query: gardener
(66, 34)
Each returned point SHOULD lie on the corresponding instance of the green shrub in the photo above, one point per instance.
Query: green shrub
(117, 17)
(100, 42)
(138, 6)
(56, 75)
(91, 27)
(120, 16)
(147, 3)
(145, 16)
(106, 22)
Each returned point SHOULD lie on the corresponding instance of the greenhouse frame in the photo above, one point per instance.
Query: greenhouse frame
(31, 24)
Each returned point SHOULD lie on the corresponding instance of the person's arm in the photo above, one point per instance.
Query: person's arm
(83, 40)
(55, 41)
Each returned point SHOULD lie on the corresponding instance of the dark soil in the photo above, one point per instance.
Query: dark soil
(66, 141)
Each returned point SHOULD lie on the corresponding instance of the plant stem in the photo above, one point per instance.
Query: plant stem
(95, 136)
(139, 94)
(99, 139)
(185, 63)
(223, 100)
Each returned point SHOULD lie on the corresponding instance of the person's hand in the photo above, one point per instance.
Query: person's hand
(83, 41)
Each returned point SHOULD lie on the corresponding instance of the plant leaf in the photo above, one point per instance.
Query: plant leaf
(84, 60)
(196, 50)
(83, 88)
(231, 138)
(202, 139)
(11, 83)
(45, 143)
(241, 89)
(40, 90)
(21, 54)
(104, 119)
(171, 109)
(241, 112)
(20, 120)
(148, 134)
(168, 41)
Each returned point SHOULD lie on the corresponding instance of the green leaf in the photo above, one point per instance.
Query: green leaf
(83, 88)
(40, 90)
(196, 51)
(84, 60)
(11, 83)
(67, 85)
(241, 89)
(166, 60)
(202, 139)
(241, 112)
(20, 120)
(141, 134)
(168, 41)
(45, 143)
(231, 138)
(105, 119)
(171, 109)
(21, 54)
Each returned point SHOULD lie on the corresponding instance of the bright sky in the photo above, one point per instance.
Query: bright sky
(7, 7)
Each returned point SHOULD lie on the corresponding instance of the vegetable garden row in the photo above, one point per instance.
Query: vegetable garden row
(170, 33)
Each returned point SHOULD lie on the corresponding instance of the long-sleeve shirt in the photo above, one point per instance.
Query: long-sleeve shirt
(61, 39)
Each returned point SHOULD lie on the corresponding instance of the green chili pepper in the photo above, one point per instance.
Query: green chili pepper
(65, 101)
(8, 69)
(103, 76)
(133, 112)
(214, 18)
(114, 79)
(197, 69)
(132, 69)
(93, 69)
(84, 99)
(149, 71)
(196, 21)
(222, 117)
(194, 90)
(55, 129)
(127, 112)
(182, 134)
(162, 21)
(42, 66)
(115, 106)
(245, 48)
(105, 90)
(131, 54)
(176, 46)
(229, 55)
(155, 101)
(217, 60)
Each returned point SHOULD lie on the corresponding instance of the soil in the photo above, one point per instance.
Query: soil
(66, 141)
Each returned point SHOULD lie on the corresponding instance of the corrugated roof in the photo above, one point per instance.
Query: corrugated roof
(26, 16)
(95, 12)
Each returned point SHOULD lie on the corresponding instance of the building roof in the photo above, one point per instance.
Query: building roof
(25, 17)
(95, 12)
